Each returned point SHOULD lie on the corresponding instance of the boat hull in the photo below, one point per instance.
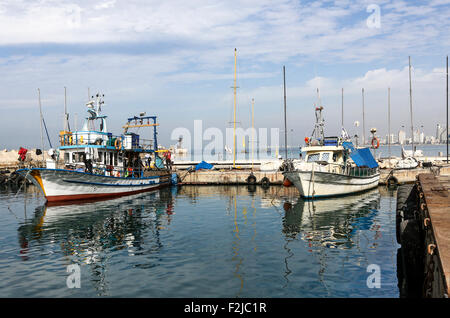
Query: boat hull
(327, 184)
(59, 185)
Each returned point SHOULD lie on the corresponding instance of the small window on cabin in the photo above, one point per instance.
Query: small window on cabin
(100, 156)
(335, 157)
(104, 161)
(110, 159)
(325, 156)
(66, 157)
(313, 157)
(115, 159)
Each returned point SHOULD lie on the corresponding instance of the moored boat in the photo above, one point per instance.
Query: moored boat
(98, 165)
(332, 166)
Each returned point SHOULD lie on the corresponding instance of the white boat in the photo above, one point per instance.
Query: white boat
(332, 166)
(99, 165)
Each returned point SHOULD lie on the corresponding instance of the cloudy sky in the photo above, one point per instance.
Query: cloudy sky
(175, 59)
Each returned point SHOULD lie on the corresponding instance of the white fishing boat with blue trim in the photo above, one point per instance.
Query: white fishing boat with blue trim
(97, 164)
(332, 166)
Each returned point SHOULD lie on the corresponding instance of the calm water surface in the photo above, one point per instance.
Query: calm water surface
(206, 241)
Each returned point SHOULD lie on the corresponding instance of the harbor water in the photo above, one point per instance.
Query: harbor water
(208, 241)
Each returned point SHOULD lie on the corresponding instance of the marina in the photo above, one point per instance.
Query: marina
(213, 156)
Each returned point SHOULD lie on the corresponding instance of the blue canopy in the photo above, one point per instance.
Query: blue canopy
(203, 165)
(362, 157)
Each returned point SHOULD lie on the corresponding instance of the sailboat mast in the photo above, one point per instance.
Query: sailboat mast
(447, 109)
(253, 128)
(389, 124)
(66, 119)
(410, 107)
(42, 132)
(342, 109)
(364, 121)
(285, 122)
(234, 120)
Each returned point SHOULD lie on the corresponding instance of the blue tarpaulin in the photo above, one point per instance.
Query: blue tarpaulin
(362, 157)
(203, 165)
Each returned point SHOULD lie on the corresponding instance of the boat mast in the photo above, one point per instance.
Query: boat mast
(364, 122)
(66, 115)
(318, 127)
(42, 132)
(389, 124)
(285, 123)
(447, 109)
(342, 109)
(253, 128)
(234, 121)
(410, 107)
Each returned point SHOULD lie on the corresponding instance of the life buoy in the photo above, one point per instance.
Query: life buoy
(306, 140)
(378, 142)
(118, 144)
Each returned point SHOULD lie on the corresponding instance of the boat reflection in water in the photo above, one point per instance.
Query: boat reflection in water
(340, 224)
(222, 242)
(331, 222)
(91, 232)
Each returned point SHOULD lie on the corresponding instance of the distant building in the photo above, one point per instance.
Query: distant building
(401, 137)
(430, 140)
(416, 136)
(422, 137)
(390, 139)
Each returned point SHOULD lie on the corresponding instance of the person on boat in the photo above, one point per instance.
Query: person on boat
(148, 160)
(138, 165)
(87, 164)
(167, 156)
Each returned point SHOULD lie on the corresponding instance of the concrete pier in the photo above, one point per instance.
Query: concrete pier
(239, 176)
(229, 177)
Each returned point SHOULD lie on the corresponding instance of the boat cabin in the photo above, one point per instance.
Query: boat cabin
(95, 150)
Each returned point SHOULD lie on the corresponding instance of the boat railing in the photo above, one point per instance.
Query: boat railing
(109, 170)
(337, 168)
(146, 144)
(90, 138)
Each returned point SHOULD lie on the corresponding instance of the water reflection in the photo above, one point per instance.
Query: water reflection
(223, 242)
(329, 224)
(89, 233)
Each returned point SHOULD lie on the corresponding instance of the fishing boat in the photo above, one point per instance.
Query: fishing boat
(97, 164)
(332, 165)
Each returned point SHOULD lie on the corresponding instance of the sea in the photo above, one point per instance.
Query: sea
(200, 241)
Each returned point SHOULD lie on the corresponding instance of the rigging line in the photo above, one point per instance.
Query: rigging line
(46, 131)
